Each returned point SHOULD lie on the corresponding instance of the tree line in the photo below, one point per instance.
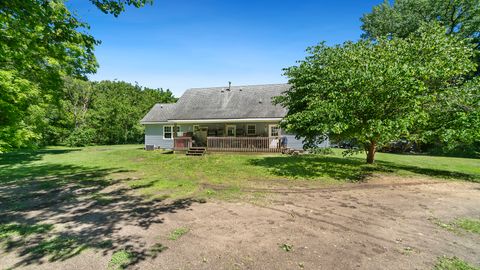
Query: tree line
(106, 112)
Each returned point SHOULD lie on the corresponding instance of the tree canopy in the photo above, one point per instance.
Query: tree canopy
(40, 42)
(459, 17)
(374, 91)
(106, 112)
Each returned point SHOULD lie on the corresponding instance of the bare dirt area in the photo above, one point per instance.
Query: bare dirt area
(385, 223)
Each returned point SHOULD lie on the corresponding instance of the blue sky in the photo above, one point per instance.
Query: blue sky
(184, 44)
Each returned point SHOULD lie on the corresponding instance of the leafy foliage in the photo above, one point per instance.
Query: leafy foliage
(374, 91)
(403, 17)
(116, 7)
(456, 117)
(40, 42)
(107, 112)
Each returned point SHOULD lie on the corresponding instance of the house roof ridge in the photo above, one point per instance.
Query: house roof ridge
(237, 86)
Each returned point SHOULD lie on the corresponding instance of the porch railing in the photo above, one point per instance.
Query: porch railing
(245, 144)
(182, 143)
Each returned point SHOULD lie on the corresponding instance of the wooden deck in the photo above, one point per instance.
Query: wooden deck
(233, 144)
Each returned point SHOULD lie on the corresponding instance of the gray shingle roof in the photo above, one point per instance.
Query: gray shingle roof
(240, 102)
(161, 112)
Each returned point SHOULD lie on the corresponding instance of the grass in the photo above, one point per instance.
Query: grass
(159, 175)
(471, 225)
(23, 230)
(177, 233)
(467, 224)
(57, 248)
(454, 263)
(54, 179)
(120, 260)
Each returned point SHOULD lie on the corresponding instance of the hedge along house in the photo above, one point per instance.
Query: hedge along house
(234, 118)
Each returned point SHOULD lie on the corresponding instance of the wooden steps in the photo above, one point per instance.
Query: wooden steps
(196, 151)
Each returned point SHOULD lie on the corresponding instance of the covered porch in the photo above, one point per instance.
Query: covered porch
(229, 137)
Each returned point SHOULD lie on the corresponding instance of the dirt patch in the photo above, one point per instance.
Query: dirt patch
(383, 223)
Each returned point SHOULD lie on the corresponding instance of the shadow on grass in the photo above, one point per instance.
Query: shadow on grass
(344, 169)
(27, 156)
(52, 212)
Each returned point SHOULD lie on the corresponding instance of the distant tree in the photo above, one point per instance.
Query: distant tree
(117, 108)
(78, 94)
(403, 17)
(374, 91)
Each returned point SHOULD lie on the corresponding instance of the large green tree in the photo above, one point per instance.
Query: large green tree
(460, 18)
(41, 41)
(374, 91)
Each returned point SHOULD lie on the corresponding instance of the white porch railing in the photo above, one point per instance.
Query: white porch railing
(245, 144)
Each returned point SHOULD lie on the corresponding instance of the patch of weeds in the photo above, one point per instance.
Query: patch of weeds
(58, 248)
(15, 229)
(454, 263)
(120, 260)
(470, 225)
(443, 225)
(408, 250)
(177, 233)
(209, 192)
(286, 247)
(467, 224)
(157, 248)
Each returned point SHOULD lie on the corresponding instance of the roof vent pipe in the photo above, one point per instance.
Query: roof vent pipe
(229, 86)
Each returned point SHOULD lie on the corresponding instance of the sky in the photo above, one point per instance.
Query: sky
(185, 44)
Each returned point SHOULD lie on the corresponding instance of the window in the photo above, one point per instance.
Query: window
(231, 130)
(273, 130)
(167, 132)
(251, 129)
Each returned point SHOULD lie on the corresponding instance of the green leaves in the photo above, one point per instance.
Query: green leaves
(41, 41)
(377, 91)
(459, 17)
(116, 7)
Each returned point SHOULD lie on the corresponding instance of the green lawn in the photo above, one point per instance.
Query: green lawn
(110, 179)
(160, 175)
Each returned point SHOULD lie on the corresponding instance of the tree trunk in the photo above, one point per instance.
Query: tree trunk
(371, 152)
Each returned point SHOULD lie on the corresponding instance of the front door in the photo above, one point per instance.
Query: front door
(231, 130)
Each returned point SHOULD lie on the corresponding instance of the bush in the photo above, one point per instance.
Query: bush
(321, 151)
(81, 137)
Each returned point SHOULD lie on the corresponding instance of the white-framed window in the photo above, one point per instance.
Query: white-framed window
(273, 130)
(231, 130)
(251, 129)
(167, 132)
